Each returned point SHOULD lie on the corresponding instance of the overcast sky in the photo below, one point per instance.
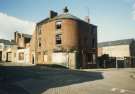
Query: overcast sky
(115, 18)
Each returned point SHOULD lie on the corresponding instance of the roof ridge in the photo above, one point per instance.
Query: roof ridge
(117, 42)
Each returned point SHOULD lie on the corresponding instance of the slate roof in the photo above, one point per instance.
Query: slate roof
(61, 16)
(117, 42)
(66, 16)
(27, 36)
(6, 42)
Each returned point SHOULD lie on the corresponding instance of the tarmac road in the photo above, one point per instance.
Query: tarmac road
(44, 80)
(114, 82)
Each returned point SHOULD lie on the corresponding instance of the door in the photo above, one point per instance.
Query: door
(9, 57)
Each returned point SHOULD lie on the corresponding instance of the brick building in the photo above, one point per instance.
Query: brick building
(22, 40)
(64, 39)
(23, 47)
(16, 50)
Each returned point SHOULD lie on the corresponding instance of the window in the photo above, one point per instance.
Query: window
(93, 43)
(58, 39)
(58, 31)
(21, 56)
(89, 58)
(39, 42)
(19, 36)
(39, 29)
(58, 24)
(93, 30)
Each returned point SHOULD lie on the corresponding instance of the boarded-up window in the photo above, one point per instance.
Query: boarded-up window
(21, 56)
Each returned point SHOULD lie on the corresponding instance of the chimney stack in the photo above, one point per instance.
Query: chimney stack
(53, 14)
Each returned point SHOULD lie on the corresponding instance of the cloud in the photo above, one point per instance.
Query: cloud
(10, 24)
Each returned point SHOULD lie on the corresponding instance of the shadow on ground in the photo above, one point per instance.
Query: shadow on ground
(37, 79)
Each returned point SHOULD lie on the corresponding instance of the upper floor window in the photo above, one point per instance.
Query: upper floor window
(39, 42)
(58, 39)
(93, 30)
(58, 24)
(93, 43)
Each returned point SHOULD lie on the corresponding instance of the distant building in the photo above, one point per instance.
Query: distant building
(122, 50)
(5, 50)
(17, 50)
(23, 47)
(64, 39)
(22, 40)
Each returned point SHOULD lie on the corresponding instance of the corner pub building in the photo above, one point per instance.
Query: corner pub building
(66, 40)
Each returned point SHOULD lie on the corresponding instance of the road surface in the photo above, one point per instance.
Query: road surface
(44, 80)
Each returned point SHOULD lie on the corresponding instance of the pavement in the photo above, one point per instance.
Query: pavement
(46, 80)
(15, 64)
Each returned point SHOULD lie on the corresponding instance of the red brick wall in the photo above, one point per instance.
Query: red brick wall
(75, 34)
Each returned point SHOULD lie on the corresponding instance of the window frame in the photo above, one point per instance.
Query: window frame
(21, 56)
(58, 39)
(58, 24)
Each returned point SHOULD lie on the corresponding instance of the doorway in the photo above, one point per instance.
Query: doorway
(33, 60)
(0, 55)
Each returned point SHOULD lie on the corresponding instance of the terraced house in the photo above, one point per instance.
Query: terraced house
(66, 40)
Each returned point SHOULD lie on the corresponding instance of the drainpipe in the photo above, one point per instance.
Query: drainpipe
(104, 63)
(116, 64)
